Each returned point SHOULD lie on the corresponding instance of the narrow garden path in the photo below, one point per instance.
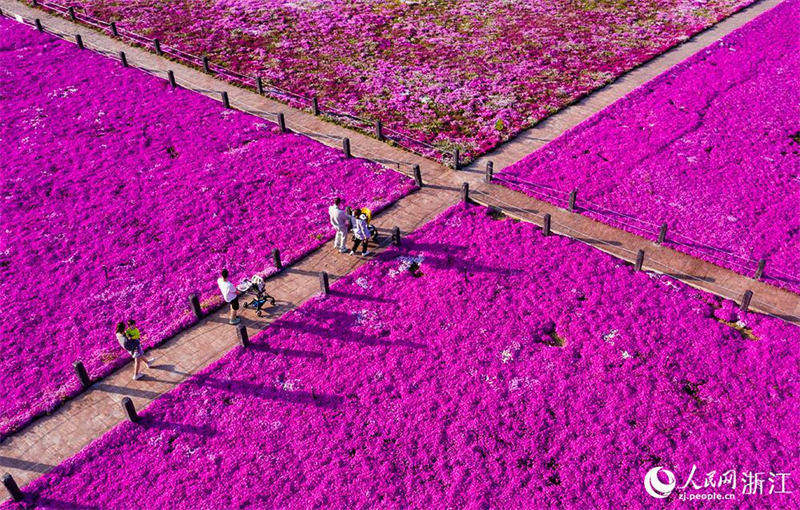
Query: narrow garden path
(531, 139)
(657, 258)
(50, 440)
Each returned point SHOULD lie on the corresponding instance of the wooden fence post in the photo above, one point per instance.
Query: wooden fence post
(276, 259)
(573, 197)
(748, 295)
(324, 283)
(12, 487)
(417, 175)
(662, 234)
(83, 375)
(130, 410)
(639, 261)
(242, 333)
(489, 171)
(760, 270)
(346, 147)
(546, 226)
(194, 303)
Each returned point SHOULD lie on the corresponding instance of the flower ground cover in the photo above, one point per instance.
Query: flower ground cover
(711, 147)
(121, 196)
(465, 74)
(478, 365)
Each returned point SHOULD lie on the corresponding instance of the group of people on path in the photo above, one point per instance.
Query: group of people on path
(343, 221)
(129, 338)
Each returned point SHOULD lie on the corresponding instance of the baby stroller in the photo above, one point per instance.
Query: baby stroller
(255, 286)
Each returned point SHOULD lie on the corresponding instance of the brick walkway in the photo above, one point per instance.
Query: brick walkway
(50, 440)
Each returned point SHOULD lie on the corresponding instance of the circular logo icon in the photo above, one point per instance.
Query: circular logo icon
(655, 487)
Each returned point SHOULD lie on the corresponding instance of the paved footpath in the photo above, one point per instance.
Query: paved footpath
(658, 258)
(50, 440)
(535, 137)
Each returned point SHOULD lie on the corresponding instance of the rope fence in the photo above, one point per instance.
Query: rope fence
(742, 264)
(643, 228)
(199, 312)
(638, 226)
(747, 300)
(552, 195)
(368, 127)
(406, 168)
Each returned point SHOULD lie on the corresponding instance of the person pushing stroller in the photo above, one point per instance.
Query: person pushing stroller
(230, 295)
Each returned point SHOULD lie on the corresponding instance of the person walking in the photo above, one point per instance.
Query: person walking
(361, 233)
(134, 348)
(230, 295)
(340, 223)
(132, 331)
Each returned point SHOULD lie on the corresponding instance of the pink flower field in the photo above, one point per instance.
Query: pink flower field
(479, 365)
(467, 74)
(711, 147)
(121, 196)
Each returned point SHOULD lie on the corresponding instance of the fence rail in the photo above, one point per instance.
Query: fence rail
(742, 264)
(406, 168)
(251, 82)
(490, 200)
(649, 230)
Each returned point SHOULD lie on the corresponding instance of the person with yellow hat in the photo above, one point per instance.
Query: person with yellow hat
(361, 231)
